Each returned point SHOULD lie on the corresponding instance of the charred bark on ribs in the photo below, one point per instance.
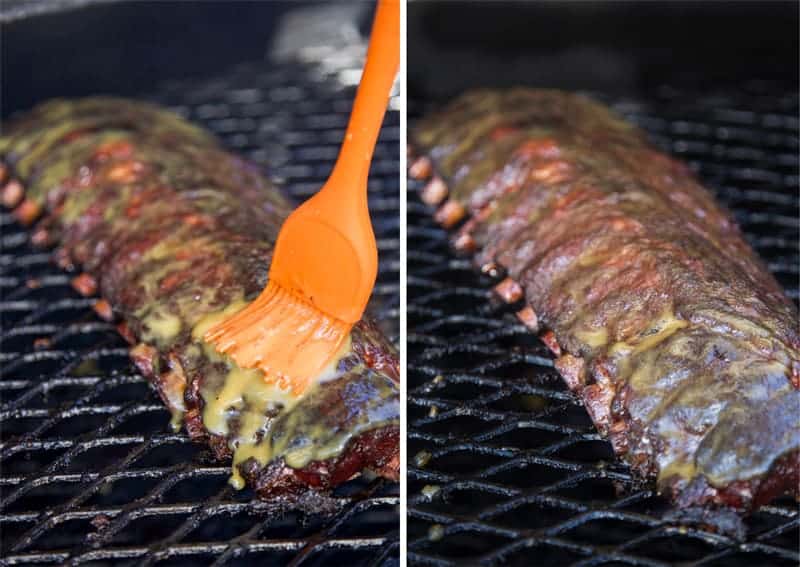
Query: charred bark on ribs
(682, 346)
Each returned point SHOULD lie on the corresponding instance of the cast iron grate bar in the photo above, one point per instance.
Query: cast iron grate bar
(88, 470)
(505, 466)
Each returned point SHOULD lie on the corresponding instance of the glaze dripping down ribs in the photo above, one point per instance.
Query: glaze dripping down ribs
(682, 346)
(176, 235)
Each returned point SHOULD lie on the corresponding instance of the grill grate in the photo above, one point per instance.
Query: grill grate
(504, 464)
(88, 472)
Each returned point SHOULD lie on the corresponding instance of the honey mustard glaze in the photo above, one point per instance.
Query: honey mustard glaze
(243, 406)
(100, 171)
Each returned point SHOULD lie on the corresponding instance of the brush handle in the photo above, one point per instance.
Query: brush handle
(383, 59)
(326, 250)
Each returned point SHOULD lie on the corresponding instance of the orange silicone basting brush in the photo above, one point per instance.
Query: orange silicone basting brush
(325, 260)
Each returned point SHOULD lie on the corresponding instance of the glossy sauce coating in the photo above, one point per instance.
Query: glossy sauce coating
(681, 344)
(176, 233)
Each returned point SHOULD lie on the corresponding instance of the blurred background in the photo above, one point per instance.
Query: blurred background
(81, 47)
(614, 47)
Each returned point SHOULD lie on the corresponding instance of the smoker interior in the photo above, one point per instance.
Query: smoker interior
(505, 466)
(89, 470)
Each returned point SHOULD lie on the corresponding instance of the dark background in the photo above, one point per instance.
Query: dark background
(615, 47)
(625, 48)
(126, 48)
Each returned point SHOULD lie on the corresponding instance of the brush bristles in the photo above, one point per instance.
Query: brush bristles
(286, 338)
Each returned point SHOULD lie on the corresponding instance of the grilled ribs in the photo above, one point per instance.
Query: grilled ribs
(681, 345)
(176, 234)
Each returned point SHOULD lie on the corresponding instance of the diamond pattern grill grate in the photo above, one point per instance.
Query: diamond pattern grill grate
(88, 472)
(505, 466)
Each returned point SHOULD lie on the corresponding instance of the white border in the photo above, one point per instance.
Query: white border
(403, 256)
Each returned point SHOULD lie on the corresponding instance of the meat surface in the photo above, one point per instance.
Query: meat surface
(682, 346)
(176, 235)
